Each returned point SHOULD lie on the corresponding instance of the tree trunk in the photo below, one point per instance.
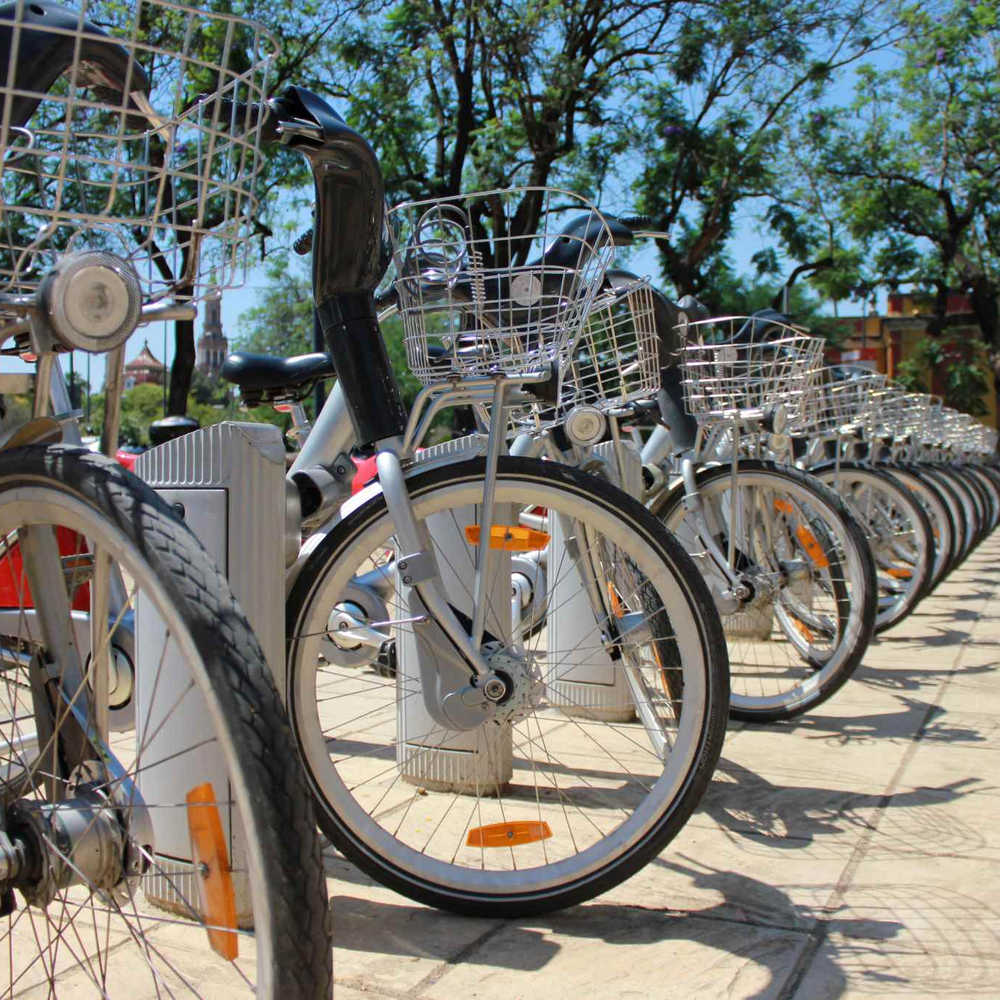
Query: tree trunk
(183, 367)
(985, 299)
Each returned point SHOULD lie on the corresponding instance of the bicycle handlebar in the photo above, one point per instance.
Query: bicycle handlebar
(49, 39)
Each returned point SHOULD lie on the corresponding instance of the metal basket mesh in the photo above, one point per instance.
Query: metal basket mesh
(836, 404)
(770, 363)
(156, 165)
(482, 290)
(899, 413)
(615, 359)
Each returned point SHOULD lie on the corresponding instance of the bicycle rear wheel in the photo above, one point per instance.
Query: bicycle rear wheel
(599, 756)
(87, 552)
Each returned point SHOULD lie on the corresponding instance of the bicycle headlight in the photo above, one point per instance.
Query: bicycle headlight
(776, 418)
(585, 425)
(92, 300)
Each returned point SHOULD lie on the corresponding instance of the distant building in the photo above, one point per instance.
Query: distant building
(144, 368)
(883, 342)
(213, 347)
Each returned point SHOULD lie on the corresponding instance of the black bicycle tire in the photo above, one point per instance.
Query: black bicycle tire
(954, 528)
(883, 474)
(240, 681)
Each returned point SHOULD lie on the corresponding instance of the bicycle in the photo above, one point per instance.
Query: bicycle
(789, 566)
(899, 528)
(104, 154)
(438, 761)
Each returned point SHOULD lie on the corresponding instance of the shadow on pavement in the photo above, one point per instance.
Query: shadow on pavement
(760, 817)
(907, 679)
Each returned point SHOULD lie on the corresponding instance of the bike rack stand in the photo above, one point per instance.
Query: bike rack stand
(480, 760)
(598, 688)
(227, 482)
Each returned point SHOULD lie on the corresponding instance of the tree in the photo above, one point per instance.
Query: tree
(713, 124)
(960, 366)
(910, 172)
(282, 321)
(475, 94)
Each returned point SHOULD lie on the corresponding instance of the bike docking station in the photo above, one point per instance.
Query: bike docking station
(227, 483)
(478, 760)
(596, 688)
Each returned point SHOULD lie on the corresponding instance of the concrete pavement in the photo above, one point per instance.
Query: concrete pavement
(850, 853)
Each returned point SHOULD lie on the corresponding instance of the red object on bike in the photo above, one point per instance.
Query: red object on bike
(366, 472)
(126, 458)
(14, 589)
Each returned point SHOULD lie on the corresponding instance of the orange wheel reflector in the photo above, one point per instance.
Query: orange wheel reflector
(215, 886)
(812, 547)
(900, 573)
(508, 834)
(784, 506)
(616, 601)
(805, 631)
(510, 537)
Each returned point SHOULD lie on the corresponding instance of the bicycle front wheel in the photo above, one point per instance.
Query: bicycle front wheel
(899, 532)
(101, 805)
(804, 613)
(598, 758)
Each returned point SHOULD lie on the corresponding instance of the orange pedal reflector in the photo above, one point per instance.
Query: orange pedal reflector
(510, 537)
(900, 573)
(215, 885)
(784, 506)
(508, 834)
(812, 547)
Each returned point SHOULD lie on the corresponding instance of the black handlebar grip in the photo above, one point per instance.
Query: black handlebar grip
(251, 115)
(637, 222)
(304, 243)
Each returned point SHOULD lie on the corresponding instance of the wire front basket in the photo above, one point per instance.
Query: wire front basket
(615, 359)
(138, 138)
(837, 403)
(900, 414)
(498, 282)
(736, 367)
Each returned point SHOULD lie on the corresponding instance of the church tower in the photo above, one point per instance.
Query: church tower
(212, 347)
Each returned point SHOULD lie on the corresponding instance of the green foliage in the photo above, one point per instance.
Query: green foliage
(282, 321)
(959, 362)
(142, 404)
(904, 183)
(712, 130)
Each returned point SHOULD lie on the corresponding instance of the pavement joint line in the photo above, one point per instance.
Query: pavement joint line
(362, 985)
(818, 936)
(440, 971)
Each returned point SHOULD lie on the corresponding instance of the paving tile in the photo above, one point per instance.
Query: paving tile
(619, 952)
(852, 969)
(385, 941)
(933, 937)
